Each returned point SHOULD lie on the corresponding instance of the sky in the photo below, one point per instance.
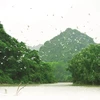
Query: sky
(36, 21)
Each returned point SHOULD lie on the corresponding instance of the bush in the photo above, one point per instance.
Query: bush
(85, 66)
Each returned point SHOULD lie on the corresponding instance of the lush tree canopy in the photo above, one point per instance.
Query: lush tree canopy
(60, 73)
(85, 66)
(20, 64)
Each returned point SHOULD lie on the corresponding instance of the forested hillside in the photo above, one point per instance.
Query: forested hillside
(59, 50)
(64, 46)
(20, 64)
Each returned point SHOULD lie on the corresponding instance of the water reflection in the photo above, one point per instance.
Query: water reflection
(58, 91)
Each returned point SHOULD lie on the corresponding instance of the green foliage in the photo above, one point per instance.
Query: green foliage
(60, 73)
(64, 46)
(85, 66)
(61, 49)
(20, 64)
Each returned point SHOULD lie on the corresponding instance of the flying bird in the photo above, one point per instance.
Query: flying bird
(21, 32)
(95, 37)
(28, 27)
(87, 21)
(77, 27)
(61, 16)
(60, 31)
(84, 32)
(55, 28)
(41, 31)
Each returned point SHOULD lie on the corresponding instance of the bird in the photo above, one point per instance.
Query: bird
(21, 32)
(28, 26)
(55, 28)
(84, 32)
(60, 31)
(95, 37)
(87, 21)
(41, 31)
(61, 16)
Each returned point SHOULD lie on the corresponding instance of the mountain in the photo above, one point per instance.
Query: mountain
(37, 47)
(60, 49)
(64, 46)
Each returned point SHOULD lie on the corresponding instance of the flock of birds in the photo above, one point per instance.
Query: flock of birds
(62, 17)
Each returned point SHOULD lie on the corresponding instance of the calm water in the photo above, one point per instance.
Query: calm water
(58, 91)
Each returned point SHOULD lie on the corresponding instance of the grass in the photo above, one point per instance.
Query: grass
(85, 85)
(34, 84)
(37, 84)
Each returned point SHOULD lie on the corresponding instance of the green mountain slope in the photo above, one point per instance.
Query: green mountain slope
(64, 46)
(59, 50)
(20, 64)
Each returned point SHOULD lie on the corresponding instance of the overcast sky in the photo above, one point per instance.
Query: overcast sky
(36, 21)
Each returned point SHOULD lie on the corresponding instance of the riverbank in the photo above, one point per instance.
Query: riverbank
(49, 84)
(56, 91)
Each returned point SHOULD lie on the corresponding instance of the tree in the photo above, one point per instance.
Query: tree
(20, 64)
(59, 71)
(85, 66)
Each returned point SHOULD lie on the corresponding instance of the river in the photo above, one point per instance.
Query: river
(57, 91)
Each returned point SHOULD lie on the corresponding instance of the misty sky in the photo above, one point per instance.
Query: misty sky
(36, 21)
